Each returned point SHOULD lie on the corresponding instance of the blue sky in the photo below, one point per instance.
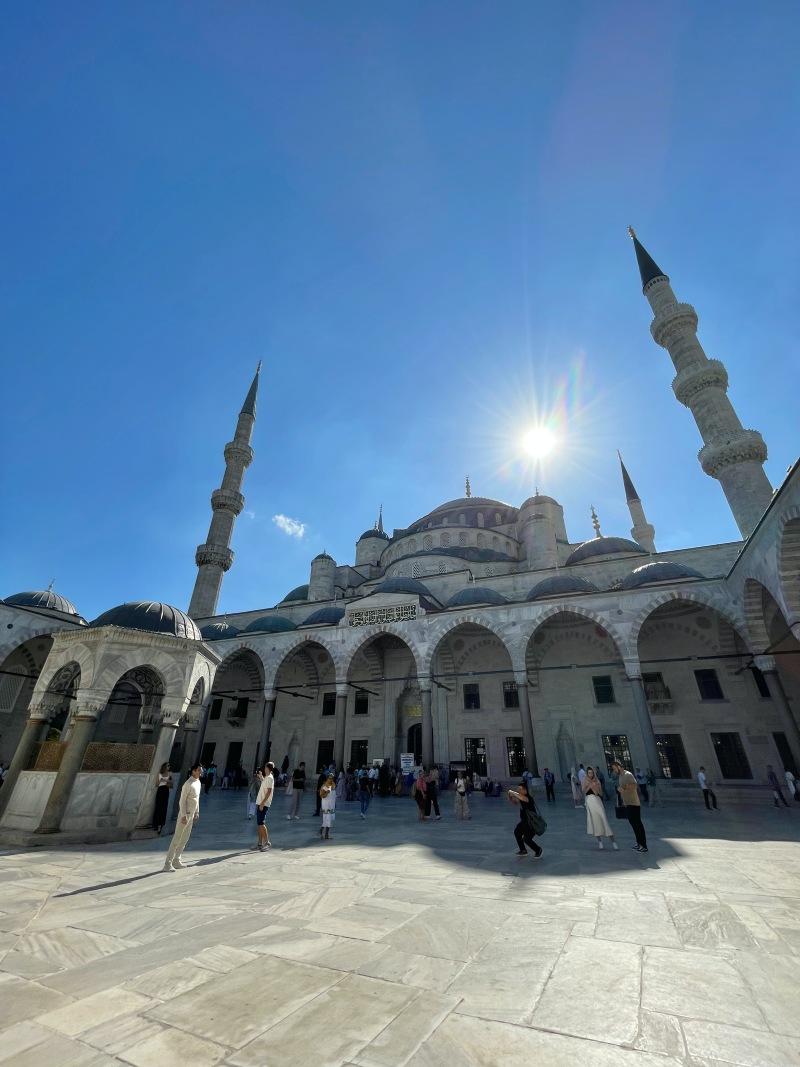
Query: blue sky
(415, 214)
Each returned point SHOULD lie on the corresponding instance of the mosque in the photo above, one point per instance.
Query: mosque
(477, 634)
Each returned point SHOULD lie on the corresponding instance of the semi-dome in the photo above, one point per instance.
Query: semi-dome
(44, 598)
(664, 571)
(218, 631)
(270, 624)
(604, 546)
(152, 616)
(325, 617)
(402, 585)
(299, 593)
(374, 533)
(560, 585)
(475, 594)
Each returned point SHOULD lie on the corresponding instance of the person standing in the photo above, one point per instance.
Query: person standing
(549, 785)
(596, 820)
(298, 785)
(210, 775)
(777, 792)
(364, 793)
(651, 782)
(641, 783)
(708, 793)
(460, 791)
(252, 793)
(524, 830)
(581, 775)
(419, 790)
(321, 779)
(327, 796)
(791, 783)
(432, 793)
(575, 786)
(629, 792)
(188, 814)
(163, 786)
(263, 804)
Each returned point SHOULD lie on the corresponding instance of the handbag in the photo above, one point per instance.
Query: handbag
(620, 812)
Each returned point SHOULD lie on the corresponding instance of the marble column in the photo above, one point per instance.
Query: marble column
(427, 723)
(645, 724)
(768, 667)
(526, 719)
(164, 740)
(84, 723)
(23, 753)
(270, 699)
(341, 725)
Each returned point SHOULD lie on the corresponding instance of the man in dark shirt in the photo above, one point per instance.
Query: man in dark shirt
(523, 831)
(298, 785)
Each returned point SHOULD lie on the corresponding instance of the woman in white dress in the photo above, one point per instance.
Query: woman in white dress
(328, 796)
(596, 821)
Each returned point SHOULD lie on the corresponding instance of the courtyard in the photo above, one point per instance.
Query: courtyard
(398, 940)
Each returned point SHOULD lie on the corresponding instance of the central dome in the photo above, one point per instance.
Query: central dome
(494, 512)
(152, 616)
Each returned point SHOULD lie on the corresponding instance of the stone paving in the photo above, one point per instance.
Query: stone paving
(399, 940)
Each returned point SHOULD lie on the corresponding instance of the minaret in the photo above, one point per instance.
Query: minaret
(731, 454)
(215, 557)
(643, 533)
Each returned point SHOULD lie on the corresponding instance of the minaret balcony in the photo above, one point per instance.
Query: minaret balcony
(698, 377)
(239, 454)
(746, 446)
(671, 322)
(227, 500)
(215, 556)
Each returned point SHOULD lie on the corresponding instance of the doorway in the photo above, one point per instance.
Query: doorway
(234, 755)
(414, 741)
(475, 755)
(324, 754)
(358, 753)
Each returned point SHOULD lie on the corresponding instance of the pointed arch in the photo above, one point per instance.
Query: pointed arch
(701, 599)
(474, 618)
(529, 628)
(299, 642)
(789, 561)
(372, 633)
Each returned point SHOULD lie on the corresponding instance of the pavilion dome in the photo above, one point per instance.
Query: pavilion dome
(540, 498)
(270, 624)
(44, 598)
(152, 616)
(325, 617)
(663, 571)
(604, 546)
(402, 585)
(323, 555)
(559, 585)
(374, 533)
(299, 593)
(475, 594)
(218, 631)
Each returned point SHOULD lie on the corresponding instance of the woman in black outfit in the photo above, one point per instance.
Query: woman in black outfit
(163, 787)
(523, 831)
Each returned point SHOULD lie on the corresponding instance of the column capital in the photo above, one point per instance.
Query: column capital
(764, 663)
(521, 678)
(342, 689)
(425, 682)
(633, 670)
(270, 694)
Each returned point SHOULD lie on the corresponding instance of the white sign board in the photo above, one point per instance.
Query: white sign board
(406, 762)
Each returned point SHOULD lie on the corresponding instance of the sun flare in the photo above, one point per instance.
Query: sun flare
(538, 442)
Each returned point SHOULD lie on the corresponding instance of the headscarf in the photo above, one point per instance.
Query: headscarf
(588, 783)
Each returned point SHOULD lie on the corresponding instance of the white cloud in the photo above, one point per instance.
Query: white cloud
(291, 527)
(249, 514)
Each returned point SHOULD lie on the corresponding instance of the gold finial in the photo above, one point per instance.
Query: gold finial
(596, 523)
(632, 233)
(468, 488)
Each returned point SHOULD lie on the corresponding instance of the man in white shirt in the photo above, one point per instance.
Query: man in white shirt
(263, 804)
(188, 814)
(708, 792)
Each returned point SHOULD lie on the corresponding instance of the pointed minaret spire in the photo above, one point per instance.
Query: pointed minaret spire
(467, 488)
(215, 557)
(731, 454)
(379, 523)
(596, 523)
(643, 533)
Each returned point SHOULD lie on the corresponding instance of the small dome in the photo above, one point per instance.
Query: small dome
(300, 593)
(604, 546)
(269, 624)
(218, 631)
(540, 499)
(665, 571)
(402, 585)
(323, 555)
(560, 584)
(475, 594)
(325, 617)
(374, 533)
(152, 616)
(46, 599)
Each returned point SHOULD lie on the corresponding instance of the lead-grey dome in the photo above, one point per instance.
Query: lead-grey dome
(218, 631)
(402, 585)
(474, 594)
(270, 624)
(374, 533)
(604, 546)
(323, 555)
(663, 571)
(299, 593)
(152, 616)
(559, 585)
(43, 598)
(540, 498)
(325, 617)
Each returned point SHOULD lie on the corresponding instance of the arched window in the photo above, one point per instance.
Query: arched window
(427, 542)
(481, 541)
(445, 540)
(416, 570)
(490, 572)
(412, 545)
(480, 518)
(495, 542)
(497, 519)
(442, 568)
(462, 519)
(462, 538)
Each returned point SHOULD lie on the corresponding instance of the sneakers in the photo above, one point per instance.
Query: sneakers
(168, 867)
(643, 848)
(288, 818)
(178, 865)
(438, 817)
(615, 846)
(295, 816)
(538, 855)
(636, 848)
(600, 844)
(521, 852)
(363, 816)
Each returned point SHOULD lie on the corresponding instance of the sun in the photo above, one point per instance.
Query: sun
(538, 442)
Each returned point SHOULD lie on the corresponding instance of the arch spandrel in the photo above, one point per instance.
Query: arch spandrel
(170, 668)
(373, 633)
(277, 659)
(441, 630)
(700, 599)
(529, 627)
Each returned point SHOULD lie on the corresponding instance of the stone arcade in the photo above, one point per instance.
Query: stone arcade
(477, 633)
